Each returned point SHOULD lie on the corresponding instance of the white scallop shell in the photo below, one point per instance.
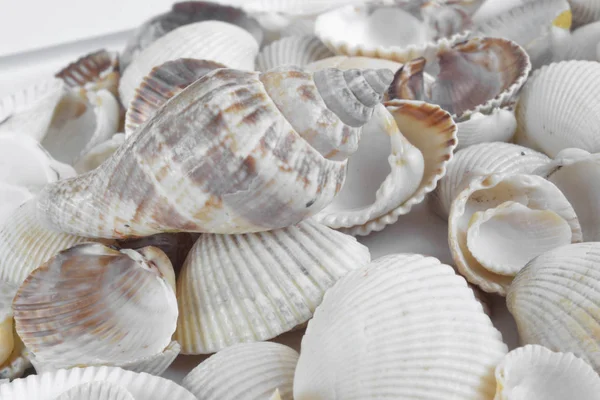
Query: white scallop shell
(537, 373)
(557, 108)
(498, 126)
(96, 391)
(555, 299)
(479, 160)
(583, 43)
(404, 326)
(585, 11)
(50, 385)
(99, 153)
(210, 40)
(249, 371)
(500, 222)
(253, 287)
(292, 50)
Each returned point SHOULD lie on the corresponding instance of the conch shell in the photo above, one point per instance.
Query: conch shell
(232, 153)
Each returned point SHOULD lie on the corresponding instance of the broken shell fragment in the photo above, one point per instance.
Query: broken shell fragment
(292, 50)
(93, 72)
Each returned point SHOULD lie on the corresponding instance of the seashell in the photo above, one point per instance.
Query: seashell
(13, 361)
(288, 7)
(554, 298)
(274, 279)
(480, 160)
(500, 222)
(535, 372)
(292, 50)
(96, 71)
(492, 8)
(251, 371)
(291, 164)
(583, 43)
(345, 63)
(483, 298)
(99, 153)
(181, 14)
(276, 395)
(403, 154)
(541, 27)
(399, 33)
(99, 281)
(11, 198)
(96, 391)
(299, 26)
(499, 125)
(478, 75)
(584, 12)
(164, 82)
(556, 108)
(210, 40)
(51, 385)
(407, 315)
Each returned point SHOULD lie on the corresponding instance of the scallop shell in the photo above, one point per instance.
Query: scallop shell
(292, 50)
(95, 71)
(85, 285)
(584, 11)
(181, 14)
(535, 372)
(583, 43)
(13, 362)
(275, 280)
(251, 371)
(203, 177)
(99, 153)
(50, 385)
(96, 391)
(499, 125)
(402, 156)
(541, 27)
(500, 222)
(479, 160)
(210, 40)
(407, 315)
(554, 300)
(556, 108)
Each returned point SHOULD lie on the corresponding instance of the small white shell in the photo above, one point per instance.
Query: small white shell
(498, 126)
(479, 160)
(99, 153)
(210, 40)
(537, 373)
(557, 108)
(585, 11)
(96, 391)
(409, 316)
(583, 43)
(274, 280)
(500, 222)
(555, 299)
(292, 50)
(250, 371)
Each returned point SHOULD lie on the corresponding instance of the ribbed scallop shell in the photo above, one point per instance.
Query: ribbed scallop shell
(537, 373)
(404, 326)
(489, 269)
(50, 385)
(292, 50)
(584, 11)
(583, 43)
(211, 40)
(251, 371)
(256, 157)
(498, 126)
(556, 109)
(555, 299)
(99, 153)
(253, 287)
(107, 297)
(93, 72)
(96, 391)
(479, 160)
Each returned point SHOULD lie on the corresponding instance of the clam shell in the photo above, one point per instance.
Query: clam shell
(99, 153)
(535, 372)
(86, 285)
(500, 222)
(251, 371)
(292, 50)
(210, 40)
(275, 280)
(556, 108)
(479, 160)
(96, 391)
(390, 32)
(498, 126)
(416, 140)
(50, 385)
(554, 298)
(583, 43)
(407, 315)
(584, 11)
(92, 72)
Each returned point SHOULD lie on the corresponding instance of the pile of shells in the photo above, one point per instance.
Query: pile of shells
(210, 188)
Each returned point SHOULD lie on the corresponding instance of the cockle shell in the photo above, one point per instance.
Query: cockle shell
(583, 43)
(90, 285)
(535, 372)
(13, 361)
(555, 299)
(479, 160)
(292, 50)
(181, 14)
(541, 27)
(99, 153)
(251, 371)
(274, 279)
(92, 72)
(556, 109)
(499, 125)
(407, 315)
(500, 222)
(51, 385)
(584, 12)
(255, 157)
(210, 40)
